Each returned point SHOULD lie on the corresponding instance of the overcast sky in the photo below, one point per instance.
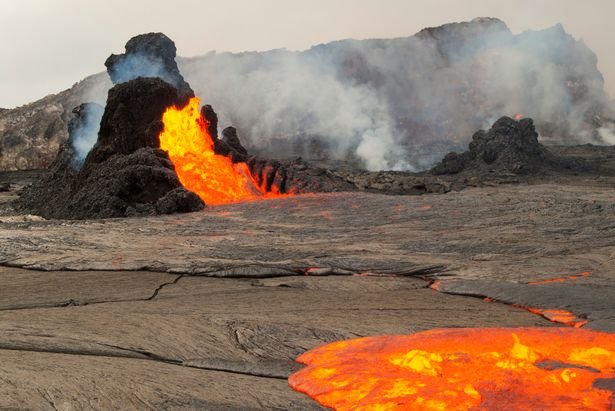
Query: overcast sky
(47, 45)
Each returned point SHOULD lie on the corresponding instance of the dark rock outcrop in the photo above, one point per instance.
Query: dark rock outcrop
(229, 136)
(148, 55)
(143, 182)
(230, 146)
(125, 173)
(132, 118)
(510, 146)
(296, 177)
(211, 118)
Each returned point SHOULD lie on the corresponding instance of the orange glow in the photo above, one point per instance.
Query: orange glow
(214, 178)
(518, 117)
(562, 279)
(553, 315)
(462, 369)
(559, 316)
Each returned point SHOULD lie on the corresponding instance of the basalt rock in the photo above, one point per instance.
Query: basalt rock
(229, 136)
(125, 173)
(143, 182)
(148, 55)
(211, 118)
(230, 146)
(132, 118)
(295, 176)
(508, 147)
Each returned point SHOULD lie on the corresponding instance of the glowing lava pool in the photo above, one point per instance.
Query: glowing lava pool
(464, 369)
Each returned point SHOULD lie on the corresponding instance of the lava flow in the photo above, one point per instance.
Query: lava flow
(213, 177)
(463, 369)
(562, 279)
(557, 316)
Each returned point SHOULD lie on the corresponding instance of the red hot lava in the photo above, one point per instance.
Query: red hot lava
(213, 177)
(463, 369)
(562, 279)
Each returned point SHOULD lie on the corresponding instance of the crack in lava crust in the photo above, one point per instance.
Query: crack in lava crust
(213, 177)
(463, 369)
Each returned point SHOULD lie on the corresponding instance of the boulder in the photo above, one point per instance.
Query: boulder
(510, 146)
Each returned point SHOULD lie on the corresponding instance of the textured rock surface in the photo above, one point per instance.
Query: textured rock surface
(296, 177)
(124, 173)
(132, 118)
(294, 273)
(508, 147)
(151, 340)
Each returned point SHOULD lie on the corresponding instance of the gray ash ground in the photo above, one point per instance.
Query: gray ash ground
(209, 309)
(226, 336)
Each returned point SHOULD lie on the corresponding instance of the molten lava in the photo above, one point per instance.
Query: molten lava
(213, 177)
(562, 279)
(518, 117)
(463, 369)
(558, 316)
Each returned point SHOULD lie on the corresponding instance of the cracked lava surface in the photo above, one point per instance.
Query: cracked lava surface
(293, 274)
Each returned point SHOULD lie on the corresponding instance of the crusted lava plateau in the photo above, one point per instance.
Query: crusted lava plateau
(169, 268)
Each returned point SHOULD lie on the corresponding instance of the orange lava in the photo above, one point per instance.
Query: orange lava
(562, 279)
(558, 316)
(214, 178)
(518, 117)
(463, 369)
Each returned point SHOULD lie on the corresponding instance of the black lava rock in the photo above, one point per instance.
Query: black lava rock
(508, 147)
(125, 173)
(179, 200)
(230, 146)
(133, 118)
(127, 185)
(229, 136)
(148, 55)
(296, 177)
(211, 118)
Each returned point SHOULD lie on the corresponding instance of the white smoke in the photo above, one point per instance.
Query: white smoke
(607, 134)
(282, 95)
(398, 103)
(84, 135)
(136, 65)
(384, 101)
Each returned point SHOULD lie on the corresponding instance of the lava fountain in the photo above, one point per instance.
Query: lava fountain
(464, 369)
(216, 179)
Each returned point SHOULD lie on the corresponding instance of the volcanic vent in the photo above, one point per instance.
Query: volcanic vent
(156, 152)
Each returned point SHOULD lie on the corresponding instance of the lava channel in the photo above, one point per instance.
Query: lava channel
(213, 177)
(463, 369)
(562, 279)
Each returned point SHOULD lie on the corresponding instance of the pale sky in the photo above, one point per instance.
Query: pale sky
(47, 45)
